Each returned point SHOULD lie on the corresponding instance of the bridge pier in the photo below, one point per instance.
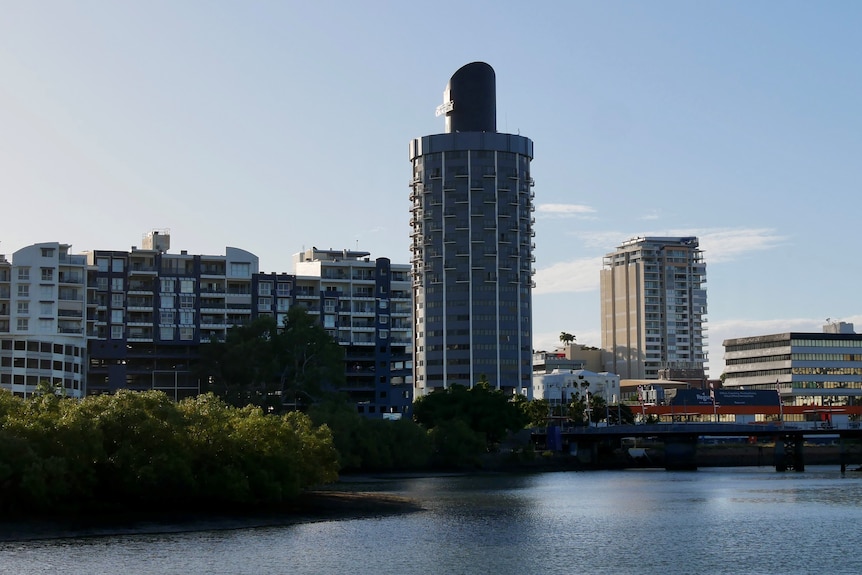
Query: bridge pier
(789, 453)
(680, 453)
(587, 452)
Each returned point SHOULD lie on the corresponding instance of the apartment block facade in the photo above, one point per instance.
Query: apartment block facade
(43, 291)
(150, 310)
(109, 320)
(365, 305)
(653, 308)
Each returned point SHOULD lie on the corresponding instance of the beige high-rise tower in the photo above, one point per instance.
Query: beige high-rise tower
(653, 305)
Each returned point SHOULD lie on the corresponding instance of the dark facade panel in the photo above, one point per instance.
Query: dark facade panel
(471, 99)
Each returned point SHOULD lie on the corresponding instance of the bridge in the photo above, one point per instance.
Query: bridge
(680, 440)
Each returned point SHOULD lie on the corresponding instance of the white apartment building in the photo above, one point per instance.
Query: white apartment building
(560, 386)
(42, 319)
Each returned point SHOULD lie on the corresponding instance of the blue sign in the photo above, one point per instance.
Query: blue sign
(725, 397)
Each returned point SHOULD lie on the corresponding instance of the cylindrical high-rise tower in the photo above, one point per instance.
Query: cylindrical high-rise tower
(472, 244)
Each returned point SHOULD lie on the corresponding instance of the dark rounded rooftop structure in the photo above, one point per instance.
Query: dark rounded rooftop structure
(471, 99)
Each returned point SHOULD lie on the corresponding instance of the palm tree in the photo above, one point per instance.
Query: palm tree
(567, 338)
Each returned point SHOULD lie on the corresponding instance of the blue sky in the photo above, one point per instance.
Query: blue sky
(274, 126)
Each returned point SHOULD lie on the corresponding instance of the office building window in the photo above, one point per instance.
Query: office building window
(167, 301)
(46, 308)
(116, 316)
(47, 274)
(167, 285)
(117, 265)
(264, 288)
(116, 284)
(102, 284)
(166, 316)
(117, 300)
(166, 333)
(187, 333)
(187, 286)
(187, 301)
(23, 274)
(47, 252)
(23, 290)
(23, 324)
(102, 264)
(116, 332)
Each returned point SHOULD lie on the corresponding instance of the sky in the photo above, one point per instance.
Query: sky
(273, 126)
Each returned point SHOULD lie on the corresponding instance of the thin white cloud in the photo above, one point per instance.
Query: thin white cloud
(564, 210)
(605, 241)
(722, 246)
(651, 215)
(579, 275)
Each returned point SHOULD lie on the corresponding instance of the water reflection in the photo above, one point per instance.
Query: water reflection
(710, 521)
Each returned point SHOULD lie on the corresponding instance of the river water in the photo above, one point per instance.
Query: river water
(738, 520)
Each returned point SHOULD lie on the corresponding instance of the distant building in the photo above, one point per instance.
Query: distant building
(365, 305)
(42, 310)
(571, 356)
(150, 310)
(560, 386)
(653, 309)
(807, 369)
(472, 244)
(111, 320)
(550, 361)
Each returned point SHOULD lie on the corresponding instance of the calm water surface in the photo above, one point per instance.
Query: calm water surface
(745, 520)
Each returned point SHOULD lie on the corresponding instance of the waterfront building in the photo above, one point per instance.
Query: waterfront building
(653, 309)
(42, 311)
(560, 386)
(151, 310)
(472, 244)
(112, 319)
(821, 372)
(364, 304)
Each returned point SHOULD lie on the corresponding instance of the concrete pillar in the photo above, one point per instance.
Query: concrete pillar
(680, 453)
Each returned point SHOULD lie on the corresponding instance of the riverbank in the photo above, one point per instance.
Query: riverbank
(312, 506)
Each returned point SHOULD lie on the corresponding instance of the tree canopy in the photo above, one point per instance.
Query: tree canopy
(484, 410)
(276, 367)
(142, 450)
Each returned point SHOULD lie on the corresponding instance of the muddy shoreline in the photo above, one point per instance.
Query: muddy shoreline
(310, 507)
